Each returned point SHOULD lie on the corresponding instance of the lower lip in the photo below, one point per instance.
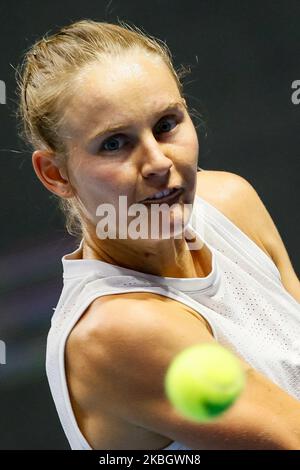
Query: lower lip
(170, 198)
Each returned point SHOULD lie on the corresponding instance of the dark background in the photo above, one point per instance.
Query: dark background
(243, 57)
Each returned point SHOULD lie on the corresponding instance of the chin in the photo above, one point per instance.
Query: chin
(171, 224)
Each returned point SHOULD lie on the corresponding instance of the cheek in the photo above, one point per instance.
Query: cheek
(89, 185)
(102, 185)
(189, 144)
(193, 142)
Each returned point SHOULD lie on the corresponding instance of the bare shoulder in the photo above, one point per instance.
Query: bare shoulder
(111, 343)
(129, 358)
(134, 313)
(237, 199)
(221, 188)
(129, 321)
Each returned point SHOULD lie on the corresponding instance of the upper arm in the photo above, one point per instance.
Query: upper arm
(275, 246)
(136, 350)
(268, 233)
(239, 201)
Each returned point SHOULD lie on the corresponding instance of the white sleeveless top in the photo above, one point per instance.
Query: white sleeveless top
(242, 299)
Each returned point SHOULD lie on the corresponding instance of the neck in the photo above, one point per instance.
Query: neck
(165, 258)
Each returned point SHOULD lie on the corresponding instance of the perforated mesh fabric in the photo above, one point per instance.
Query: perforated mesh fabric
(242, 299)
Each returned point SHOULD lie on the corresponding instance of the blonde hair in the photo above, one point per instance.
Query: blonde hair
(45, 80)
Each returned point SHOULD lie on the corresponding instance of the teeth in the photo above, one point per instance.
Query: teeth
(166, 192)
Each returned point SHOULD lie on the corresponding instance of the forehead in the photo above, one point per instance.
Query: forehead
(118, 88)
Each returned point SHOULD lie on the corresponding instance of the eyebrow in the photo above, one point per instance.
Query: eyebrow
(170, 107)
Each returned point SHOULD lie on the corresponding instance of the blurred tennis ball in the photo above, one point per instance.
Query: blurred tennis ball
(203, 381)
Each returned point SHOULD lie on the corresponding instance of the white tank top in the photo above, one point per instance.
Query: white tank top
(242, 299)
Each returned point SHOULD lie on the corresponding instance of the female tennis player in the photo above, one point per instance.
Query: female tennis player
(104, 110)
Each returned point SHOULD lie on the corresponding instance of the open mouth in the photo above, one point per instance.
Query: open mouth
(171, 197)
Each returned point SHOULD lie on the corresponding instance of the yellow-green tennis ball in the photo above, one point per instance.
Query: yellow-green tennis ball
(203, 381)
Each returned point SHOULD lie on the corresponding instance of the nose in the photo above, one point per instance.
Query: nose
(155, 162)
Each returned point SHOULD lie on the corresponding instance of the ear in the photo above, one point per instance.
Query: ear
(51, 174)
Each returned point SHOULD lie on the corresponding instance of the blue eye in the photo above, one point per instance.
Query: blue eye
(106, 145)
(108, 142)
